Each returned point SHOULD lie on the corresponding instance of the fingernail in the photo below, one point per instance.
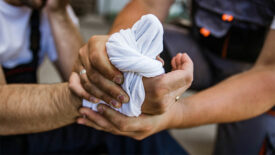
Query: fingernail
(93, 99)
(118, 80)
(100, 109)
(115, 103)
(121, 98)
(80, 122)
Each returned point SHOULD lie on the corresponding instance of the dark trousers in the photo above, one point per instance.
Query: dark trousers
(246, 137)
(80, 139)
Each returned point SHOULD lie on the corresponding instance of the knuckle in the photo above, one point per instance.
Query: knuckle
(94, 77)
(122, 126)
(105, 97)
(86, 85)
(94, 56)
(113, 93)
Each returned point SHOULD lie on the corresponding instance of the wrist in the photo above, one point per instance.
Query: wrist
(176, 115)
(72, 102)
(59, 13)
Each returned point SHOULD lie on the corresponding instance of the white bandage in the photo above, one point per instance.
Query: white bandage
(134, 51)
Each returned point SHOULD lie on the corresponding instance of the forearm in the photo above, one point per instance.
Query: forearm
(36, 108)
(136, 8)
(238, 98)
(67, 40)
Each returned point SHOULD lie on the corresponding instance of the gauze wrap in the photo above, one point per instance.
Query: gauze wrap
(134, 51)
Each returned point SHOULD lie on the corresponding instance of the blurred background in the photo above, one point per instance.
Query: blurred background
(95, 18)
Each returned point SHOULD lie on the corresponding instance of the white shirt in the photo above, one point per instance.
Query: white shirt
(15, 35)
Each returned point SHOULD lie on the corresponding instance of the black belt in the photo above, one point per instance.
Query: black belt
(25, 73)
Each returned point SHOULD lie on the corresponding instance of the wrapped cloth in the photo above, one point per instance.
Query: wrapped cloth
(134, 51)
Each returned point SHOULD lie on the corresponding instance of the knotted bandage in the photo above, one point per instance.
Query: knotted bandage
(134, 51)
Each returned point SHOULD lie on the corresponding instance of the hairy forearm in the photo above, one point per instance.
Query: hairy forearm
(136, 8)
(36, 108)
(238, 98)
(67, 40)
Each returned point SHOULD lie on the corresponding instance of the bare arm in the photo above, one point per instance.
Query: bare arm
(136, 8)
(240, 97)
(66, 36)
(35, 108)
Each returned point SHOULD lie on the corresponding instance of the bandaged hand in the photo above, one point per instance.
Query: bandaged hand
(160, 100)
(151, 30)
(101, 80)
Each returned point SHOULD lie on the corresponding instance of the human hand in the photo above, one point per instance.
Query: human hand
(162, 91)
(160, 99)
(109, 120)
(102, 79)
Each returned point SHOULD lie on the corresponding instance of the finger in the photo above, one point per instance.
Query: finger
(97, 92)
(173, 63)
(101, 122)
(177, 79)
(100, 61)
(105, 85)
(108, 87)
(96, 119)
(178, 59)
(160, 59)
(76, 87)
(186, 62)
(85, 84)
(122, 122)
(84, 121)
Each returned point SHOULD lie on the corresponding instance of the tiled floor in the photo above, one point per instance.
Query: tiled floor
(197, 141)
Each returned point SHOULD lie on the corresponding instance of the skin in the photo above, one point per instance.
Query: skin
(245, 95)
(31, 108)
(66, 36)
(36, 108)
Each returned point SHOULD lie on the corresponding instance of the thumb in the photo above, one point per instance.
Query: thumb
(178, 78)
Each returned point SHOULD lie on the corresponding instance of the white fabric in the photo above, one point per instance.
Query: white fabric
(15, 31)
(273, 24)
(134, 52)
